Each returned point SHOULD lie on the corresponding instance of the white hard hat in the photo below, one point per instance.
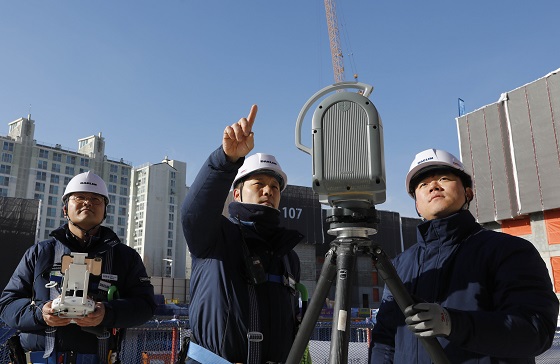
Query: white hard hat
(435, 158)
(262, 163)
(86, 182)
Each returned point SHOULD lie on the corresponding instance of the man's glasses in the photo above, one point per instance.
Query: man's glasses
(94, 200)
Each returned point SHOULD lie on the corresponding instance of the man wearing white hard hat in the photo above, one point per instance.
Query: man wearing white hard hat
(121, 293)
(243, 305)
(486, 296)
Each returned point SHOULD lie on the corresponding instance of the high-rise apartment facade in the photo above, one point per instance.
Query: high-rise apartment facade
(39, 171)
(154, 229)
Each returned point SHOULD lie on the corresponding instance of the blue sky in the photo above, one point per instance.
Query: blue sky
(163, 78)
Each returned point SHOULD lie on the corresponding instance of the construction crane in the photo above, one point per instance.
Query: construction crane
(334, 41)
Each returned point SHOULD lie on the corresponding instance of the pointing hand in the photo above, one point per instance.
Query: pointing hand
(238, 138)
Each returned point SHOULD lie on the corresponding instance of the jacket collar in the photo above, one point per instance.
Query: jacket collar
(261, 226)
(104, 235)
(447, 231)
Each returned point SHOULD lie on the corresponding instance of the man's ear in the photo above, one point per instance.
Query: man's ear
(236, 195)
(469, 193)
(65, 210)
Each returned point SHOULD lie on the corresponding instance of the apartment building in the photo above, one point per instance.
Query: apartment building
(154, 228)
(33, 170)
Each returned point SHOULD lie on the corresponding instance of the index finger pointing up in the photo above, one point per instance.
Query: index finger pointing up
(252, 115)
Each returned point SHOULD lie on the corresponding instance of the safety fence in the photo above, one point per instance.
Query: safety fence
(158, 342)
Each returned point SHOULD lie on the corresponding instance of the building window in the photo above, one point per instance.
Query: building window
(70, 159)
(84, 162)
(52, 200)
(122, 211)
(114, 168)
(8, 146)
(49, 223)
(39, 187)
(4, 181)
(172, 200)
(4, 192)
(122, 201)
(7, 157)
(112, 188)
(125, 171)
(171, 208)
(55, 178)
(53, 189)
(124, 191)
(170, 225)
(47, 234)
(112, 199)
(120, 231)
(121, 221)
(169, 252)
(170, 234)
(55, 167)
(111, 209)
(113, 178)
(57, 157)
(43, 153)
(69, 170)
(66, 180)
(5, 169)
(51, 211)
(170, 243)
(41, 164)
(124, 181)
(110, 219)
(41, 176)
(39, 196)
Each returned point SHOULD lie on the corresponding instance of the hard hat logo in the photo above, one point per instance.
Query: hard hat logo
(271, 162)
(88, 183)
(425, 160)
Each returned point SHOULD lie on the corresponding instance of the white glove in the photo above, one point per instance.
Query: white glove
(427, 320)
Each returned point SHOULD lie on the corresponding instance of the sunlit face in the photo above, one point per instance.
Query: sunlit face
(86, 209)
(440, 195)
(262, 189)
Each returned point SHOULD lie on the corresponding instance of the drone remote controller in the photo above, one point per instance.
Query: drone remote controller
(73, 301)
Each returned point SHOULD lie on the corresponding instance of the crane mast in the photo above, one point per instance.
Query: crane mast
(334, 40)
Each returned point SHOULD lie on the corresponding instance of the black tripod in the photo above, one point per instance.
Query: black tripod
(352, 227)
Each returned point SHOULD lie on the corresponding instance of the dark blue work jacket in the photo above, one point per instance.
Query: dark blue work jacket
(220, 312)
(495, 286)
(25, 294)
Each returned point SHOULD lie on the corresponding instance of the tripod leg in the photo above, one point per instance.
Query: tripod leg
(345, 263)
(307, 326)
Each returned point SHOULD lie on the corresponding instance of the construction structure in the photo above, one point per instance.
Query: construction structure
(512, 149)
(337, 55)
(18, 225)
